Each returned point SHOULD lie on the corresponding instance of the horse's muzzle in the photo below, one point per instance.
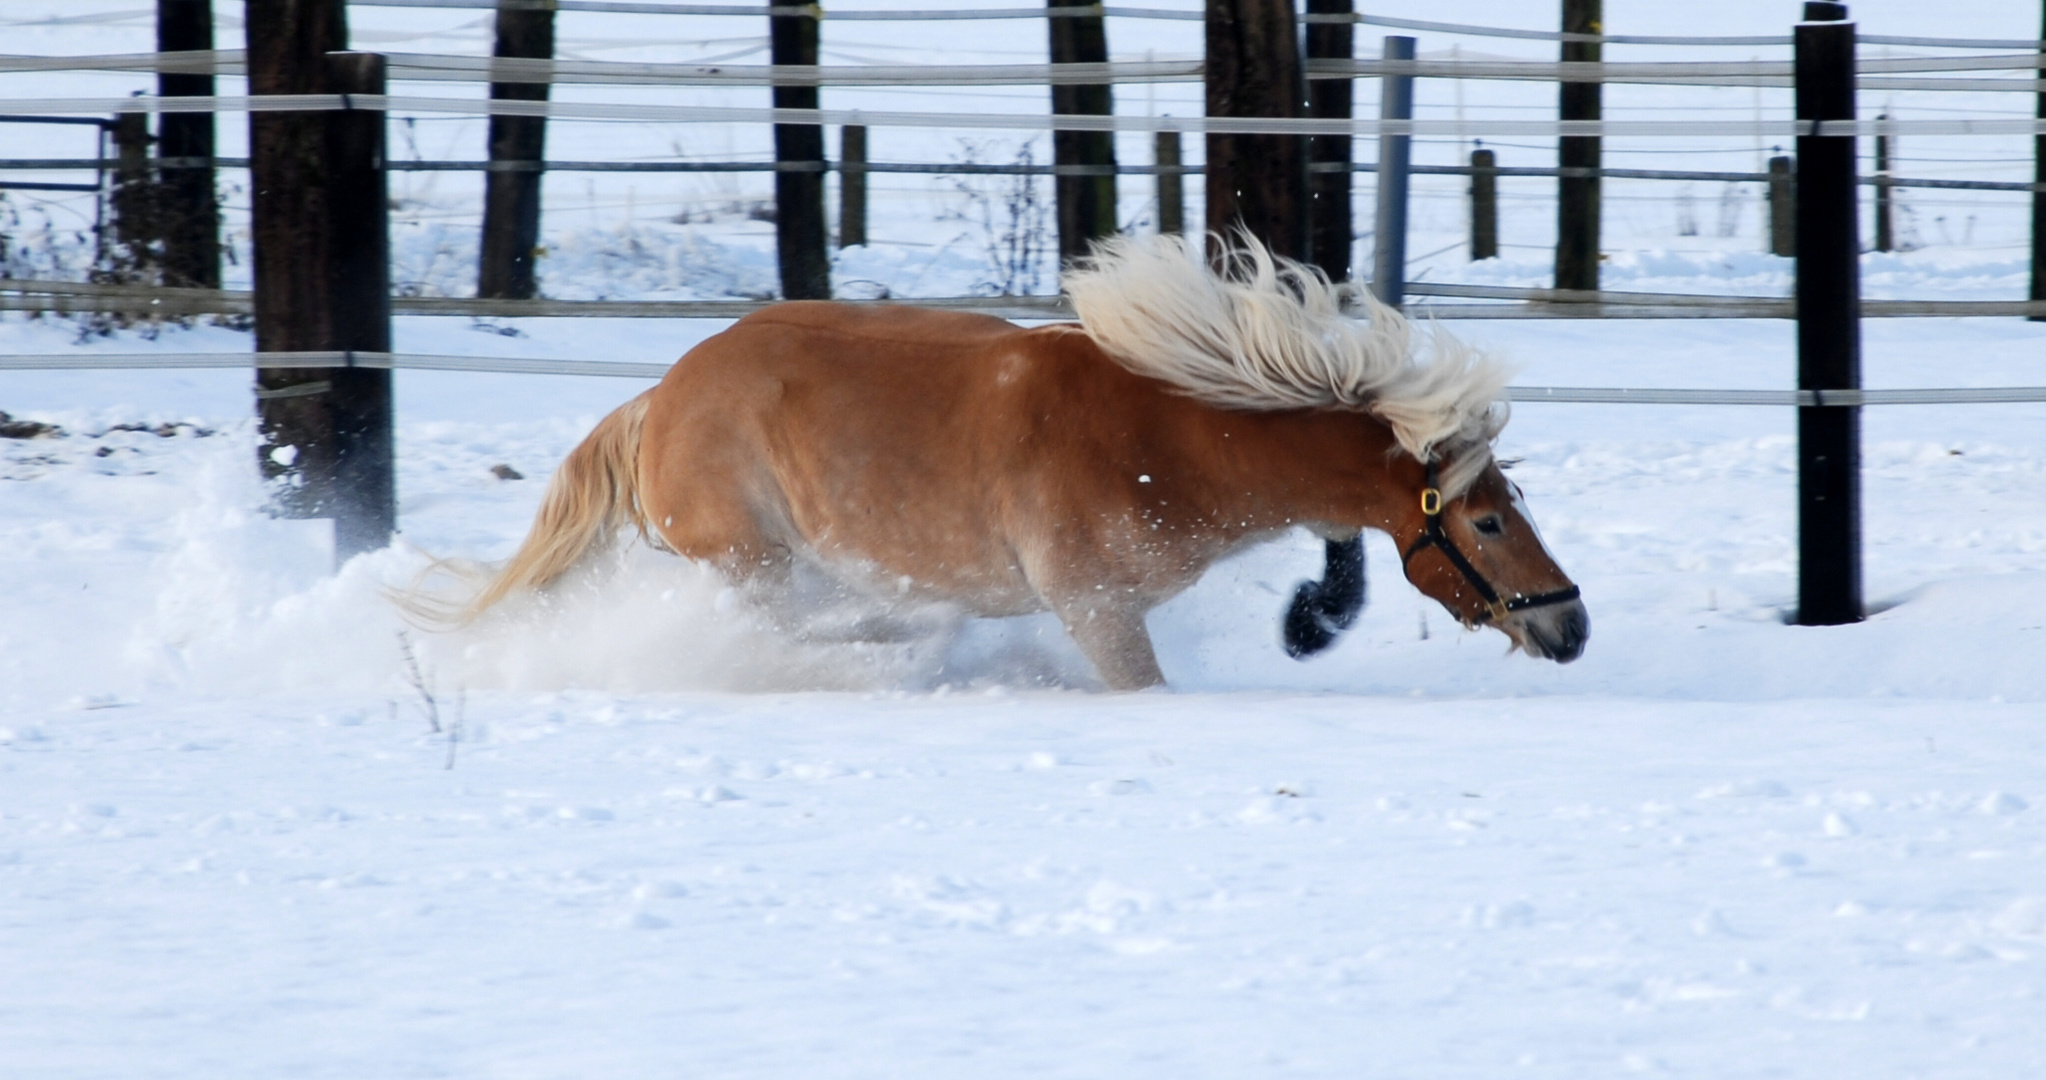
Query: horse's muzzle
(1555, 633)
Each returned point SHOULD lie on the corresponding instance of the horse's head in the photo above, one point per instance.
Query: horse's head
(1478, 554)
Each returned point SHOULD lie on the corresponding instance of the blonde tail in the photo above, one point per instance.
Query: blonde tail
(593, 493)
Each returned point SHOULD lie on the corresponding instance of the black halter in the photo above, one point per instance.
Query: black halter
(1436, 536)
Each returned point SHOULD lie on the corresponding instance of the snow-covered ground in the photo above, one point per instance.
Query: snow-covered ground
(649, 838)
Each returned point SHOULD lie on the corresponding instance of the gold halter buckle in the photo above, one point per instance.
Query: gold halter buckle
(1431, 501)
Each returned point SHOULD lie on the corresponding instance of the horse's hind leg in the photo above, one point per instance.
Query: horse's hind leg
(1116, 640)
(711, 524)
(790, 589)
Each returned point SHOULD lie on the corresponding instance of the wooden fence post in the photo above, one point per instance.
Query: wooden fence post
(1484, 205)
(1256, 182)
(132, 254)
(1885, 231)
(1171, 184)
(1782, 207)
(322, 275)
(2039, 194)
(188, 202)
(292, 238)
(518, 152)
(852, 185)
(1389, 254)
(365, 495)
(1828, 323)
(1083, 162)
(799, 231)
(1320, 609)
(1577, 191)
(1330, 225)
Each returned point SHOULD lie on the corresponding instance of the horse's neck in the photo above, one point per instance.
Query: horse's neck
(1324, 467)
(1253, 470)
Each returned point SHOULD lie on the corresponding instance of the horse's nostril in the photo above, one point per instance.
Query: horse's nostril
(1562, 638)
(1575, 630)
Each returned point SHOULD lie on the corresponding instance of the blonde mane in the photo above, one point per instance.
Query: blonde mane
(1268, 333)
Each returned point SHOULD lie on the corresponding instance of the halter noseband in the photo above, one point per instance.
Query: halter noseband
(1436, 536)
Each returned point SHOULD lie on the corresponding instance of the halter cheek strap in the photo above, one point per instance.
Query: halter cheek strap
(1435, 535)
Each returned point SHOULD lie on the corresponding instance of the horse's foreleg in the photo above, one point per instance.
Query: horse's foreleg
(1322, 610)
(1115, 639)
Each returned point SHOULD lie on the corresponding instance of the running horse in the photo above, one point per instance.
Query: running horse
(1093, 470)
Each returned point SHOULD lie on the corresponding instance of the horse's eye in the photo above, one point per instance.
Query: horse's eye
(1489, 525)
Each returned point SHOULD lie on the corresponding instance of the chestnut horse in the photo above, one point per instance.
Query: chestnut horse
(1093, 470)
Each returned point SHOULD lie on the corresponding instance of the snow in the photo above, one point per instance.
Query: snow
(653, 838)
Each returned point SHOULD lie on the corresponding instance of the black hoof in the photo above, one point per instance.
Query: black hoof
(1322, 610)
(1308, 629)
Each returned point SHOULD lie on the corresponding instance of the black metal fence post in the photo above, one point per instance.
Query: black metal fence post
(2038, 291)
(1828, 321)
(1484, 205)
(852, 185)
(1577, 193)
(1171, 184)
(801, 244)
(1782, 206)
(1885, 224)
(1389, 257)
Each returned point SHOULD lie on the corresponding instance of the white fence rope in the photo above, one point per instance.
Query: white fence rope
(446, 67)
(1118, 12)
(630, 7)
(1590, 395)
(515, 365)
(510, 365)
(953, 168)
(73, 297)
(1369, 127)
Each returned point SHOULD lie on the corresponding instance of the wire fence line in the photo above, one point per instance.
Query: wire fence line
(520, 365)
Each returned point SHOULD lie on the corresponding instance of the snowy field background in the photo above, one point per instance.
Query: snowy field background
(651, 839)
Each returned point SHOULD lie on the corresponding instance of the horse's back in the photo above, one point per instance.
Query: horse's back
(894, 435)
(895, 324)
